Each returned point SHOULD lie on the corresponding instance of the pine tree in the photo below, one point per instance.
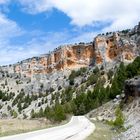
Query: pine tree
(59, 113)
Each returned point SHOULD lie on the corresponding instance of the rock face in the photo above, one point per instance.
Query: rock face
(132, 87)
(67, 57)
(113, 48)
(107, 50)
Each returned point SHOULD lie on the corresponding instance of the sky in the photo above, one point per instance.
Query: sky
(32, 27)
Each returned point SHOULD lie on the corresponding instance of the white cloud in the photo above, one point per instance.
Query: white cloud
(38, 45)
(36, 6)
(122, 13)
(40, 42)
(4, 1)
(11, 53)
(8, 28)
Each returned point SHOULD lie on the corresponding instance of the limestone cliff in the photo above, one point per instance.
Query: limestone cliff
(66, 57)
(114, 48)
(106, 50)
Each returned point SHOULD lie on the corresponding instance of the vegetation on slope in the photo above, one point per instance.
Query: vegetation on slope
(77, 99)
(102, 132)
(86, 101)
(118, 123)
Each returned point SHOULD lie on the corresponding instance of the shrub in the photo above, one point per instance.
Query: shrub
(9, 108)
(119, 121)
(14, 113)
(110, 74)
(59, 113)
(77, 73)
(71, 82)
(92, 79)
(32, 113)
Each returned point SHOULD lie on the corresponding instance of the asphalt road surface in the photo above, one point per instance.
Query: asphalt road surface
(77, 129)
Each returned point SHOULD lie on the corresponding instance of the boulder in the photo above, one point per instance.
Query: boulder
(132, 87)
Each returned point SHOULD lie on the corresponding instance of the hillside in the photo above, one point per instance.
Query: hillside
(131, 113)
(56, 82)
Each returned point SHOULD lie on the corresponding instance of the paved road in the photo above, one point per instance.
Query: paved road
(77, 129)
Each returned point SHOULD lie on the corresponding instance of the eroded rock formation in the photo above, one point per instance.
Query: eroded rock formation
(132, 87)
(67, 57)
(106, 50)
(113, 48)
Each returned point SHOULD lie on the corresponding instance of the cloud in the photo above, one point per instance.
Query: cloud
(36, 6)
(42, 44)
(39, 44)
(4, 1)
(121, 13)
(8, 28)
(114, 14)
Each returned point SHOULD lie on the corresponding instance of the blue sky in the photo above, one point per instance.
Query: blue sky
(32, 27)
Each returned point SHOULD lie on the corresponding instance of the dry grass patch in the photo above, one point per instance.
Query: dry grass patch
(16, 126)
(102, 132)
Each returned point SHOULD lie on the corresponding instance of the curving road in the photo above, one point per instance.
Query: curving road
(77, 129)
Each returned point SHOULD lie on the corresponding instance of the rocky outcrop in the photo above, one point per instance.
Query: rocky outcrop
(113, 48)
(107, 50)
(66, 57)
(132, 87)
(40, 74)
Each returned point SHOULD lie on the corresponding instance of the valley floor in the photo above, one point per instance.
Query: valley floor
(77, 129)
(102, 132)
(17, 126)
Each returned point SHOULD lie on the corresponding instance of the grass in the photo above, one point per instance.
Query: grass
(102, 132)
(17, 126)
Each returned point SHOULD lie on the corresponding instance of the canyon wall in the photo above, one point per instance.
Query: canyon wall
(106, 49)
(63, 58)
(46, 76)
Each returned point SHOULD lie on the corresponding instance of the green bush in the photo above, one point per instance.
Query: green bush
(92, 79)
(14, 113)
(110, 74)
(71, 82)
(96, 70)
(32, 114)
(119, 121)
(59, 113)
(77, 73)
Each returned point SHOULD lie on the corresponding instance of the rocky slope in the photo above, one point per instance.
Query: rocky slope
(130, 109)
(48, 74)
